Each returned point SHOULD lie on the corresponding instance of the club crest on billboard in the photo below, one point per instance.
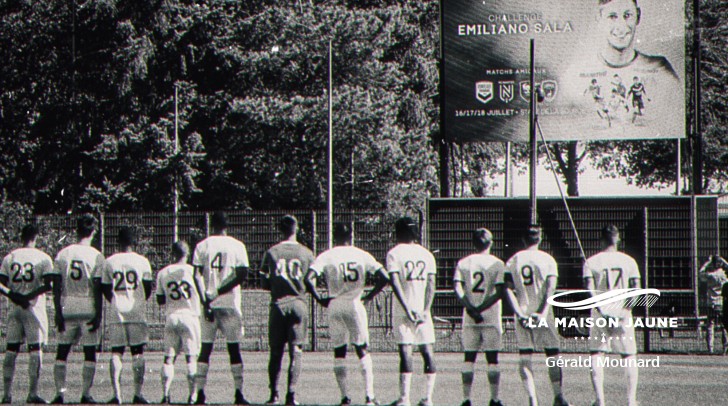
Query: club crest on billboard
(506, 91)
(550, 89)
(484, 91)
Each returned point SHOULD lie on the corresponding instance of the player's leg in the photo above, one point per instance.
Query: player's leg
(597, 377)
(172, 344)
(231, 324)
(338, 326)
(296, 316)
(525, 370)
(556, 378)
(494, 375)
(277, 338)
(367, 371)
(425, 338)
(405, 373)
(88, 372)
(340, 372)
(548, 339)
(35, 328)
(467, 375)
(710, 332)
(359, 335)
(138, 365)
(208, 329)
(115, 367)
(190, 333)
(65, 340)
(632, 373)
(11, 354)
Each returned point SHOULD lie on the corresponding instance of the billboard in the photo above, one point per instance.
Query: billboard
(608, 69)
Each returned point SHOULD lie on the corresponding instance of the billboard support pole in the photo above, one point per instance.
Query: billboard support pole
(698, 135)
(509, 174)
(532, 137)
(678, 165)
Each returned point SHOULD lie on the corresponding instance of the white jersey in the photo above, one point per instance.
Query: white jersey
(25, 268)
(125, 272)
(529, 270)
(612, 270)
(414, 264)
(479, 274)
(176, 282)
(218, 256)
(78, 265)
(345, 268)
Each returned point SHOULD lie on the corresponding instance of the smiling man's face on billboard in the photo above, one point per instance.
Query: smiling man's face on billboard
(618, 21)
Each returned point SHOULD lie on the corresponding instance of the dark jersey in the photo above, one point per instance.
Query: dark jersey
(285, 265)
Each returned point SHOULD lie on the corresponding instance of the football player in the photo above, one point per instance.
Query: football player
(412, 271)
(220, 258)
(282, 272)
(478, 284)
(78, 303)
(712, 273)
(345, 269)
(532, 275)
(24, 280)
(606, 271)
(179, 288)
(126, 282)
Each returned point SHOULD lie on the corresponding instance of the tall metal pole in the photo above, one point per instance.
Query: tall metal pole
(678, 169)
(509, 174)
(698, 136)
(331, 156)
(176, 151)
(532, 137)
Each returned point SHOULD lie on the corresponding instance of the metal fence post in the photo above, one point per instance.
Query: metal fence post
(207, 224)
(311, 302)
(102, 233)
(647, 274)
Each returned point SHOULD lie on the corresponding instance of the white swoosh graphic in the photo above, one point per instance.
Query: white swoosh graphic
(602, 299)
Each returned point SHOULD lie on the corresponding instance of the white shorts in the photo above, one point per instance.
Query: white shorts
(26, 325)
(409, 333)
(476, 338)
(348, 322)
(77, 332)
(539, 338)
(128, 334)
(228, 321)
(618, 340)
(182, 332)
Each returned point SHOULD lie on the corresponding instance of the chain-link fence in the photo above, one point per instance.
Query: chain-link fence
(668, 237)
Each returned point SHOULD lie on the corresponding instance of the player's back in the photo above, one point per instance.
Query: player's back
(714, 283)
(125, 272)
(480, 273)
(176, 282)
(286, 264)
(77, 266)
(529, 270)
(219, 256)
(25, 268)
(611, 270)
(345, 269)
(414, 263)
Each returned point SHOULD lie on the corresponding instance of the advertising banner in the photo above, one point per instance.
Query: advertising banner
(607, 69)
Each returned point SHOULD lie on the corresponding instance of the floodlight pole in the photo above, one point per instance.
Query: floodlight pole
(532, 137)
(331, 158)
(698, 135)
(176, 151)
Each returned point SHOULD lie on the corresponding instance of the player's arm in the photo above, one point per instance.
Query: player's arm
(463, 298)
(199, 281)
(380, 282)
(547, 290)
(703, 269)
(107, 282)
(98, 304)
(589, 285)
(161, 296)
(492, 299)
(230, 283)
(147, 280)
(15, 297)
(266, 270)
(394, 278)
(429, 292)
(310, 282)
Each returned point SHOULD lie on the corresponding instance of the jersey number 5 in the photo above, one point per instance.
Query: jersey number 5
(76, 270)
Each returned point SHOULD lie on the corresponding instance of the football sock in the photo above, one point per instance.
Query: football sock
(632, 375)
(115, 367)
(167, 378)
(87, 375)
(405, 381)
(59, 376)
(202, 368)
(294, 370)
(494, 374)
(35, 362)
(525, 369)
(468, 373)
(191, 376)
(138, 364)
(430, 385)
(237, 371)
(555, 377)
(274, 370)
(8, 372)
(340, 373)
(367, 371)
(597, 375)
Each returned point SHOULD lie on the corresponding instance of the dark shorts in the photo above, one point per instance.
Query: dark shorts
(715, 314)
(288, 323)
(637, 102)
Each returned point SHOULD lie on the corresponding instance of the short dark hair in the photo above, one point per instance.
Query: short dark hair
(610, 234)
(532, 235)
(603, 2)
(28, 233)
(218, 221)
(180, 250)
(85, 225)
(287, 225)
(406, 230)
(127, 236)
(482, 239)
(342, 232)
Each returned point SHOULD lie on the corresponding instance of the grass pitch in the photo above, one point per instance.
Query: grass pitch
(680, 379)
